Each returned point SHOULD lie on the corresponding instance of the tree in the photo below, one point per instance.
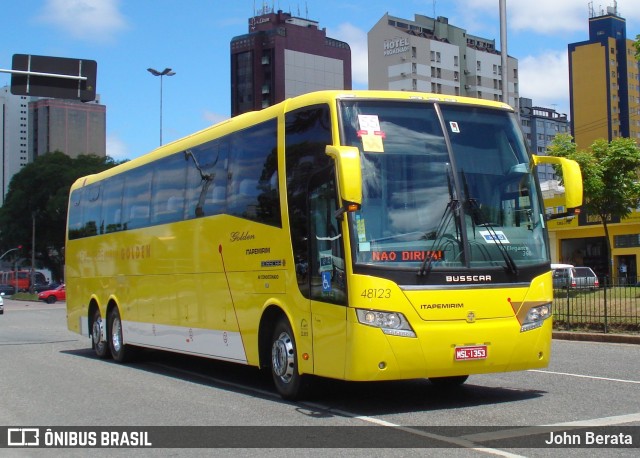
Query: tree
(637, 46)
(610, 176)
(39, 193)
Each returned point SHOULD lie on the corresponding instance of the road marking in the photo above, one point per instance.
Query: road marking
(469, 442)
(457, 441)
(637, 382)
(534, 430)
(604, 421)
(460, 442)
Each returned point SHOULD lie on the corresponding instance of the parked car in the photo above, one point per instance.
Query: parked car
(7, 290)
(52, 295)
(1, 304)
(567, 276)
(40, 287)
(586, 278)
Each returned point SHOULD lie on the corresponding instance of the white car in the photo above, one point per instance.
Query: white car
(1, 304)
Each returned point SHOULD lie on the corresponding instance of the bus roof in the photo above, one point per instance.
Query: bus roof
(247, 119)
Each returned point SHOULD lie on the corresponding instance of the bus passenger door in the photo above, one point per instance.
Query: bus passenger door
(327, 277)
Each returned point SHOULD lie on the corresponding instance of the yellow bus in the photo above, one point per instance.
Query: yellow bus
(354, 235)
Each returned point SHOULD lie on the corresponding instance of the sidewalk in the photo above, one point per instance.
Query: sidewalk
(597, 337)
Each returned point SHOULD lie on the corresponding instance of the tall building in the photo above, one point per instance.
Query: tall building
(431, 55)
(539, 126)
(14, 135)
(283, 56)
(69, 126)
(603, 81)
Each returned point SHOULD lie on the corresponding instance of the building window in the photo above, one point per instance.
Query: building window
(414, 52)
(456, 76)
(478, 65)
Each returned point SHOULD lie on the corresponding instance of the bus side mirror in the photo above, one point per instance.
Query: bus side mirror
(349, 175)
(571, 175)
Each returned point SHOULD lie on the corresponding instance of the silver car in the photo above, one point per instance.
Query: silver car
(567, 276)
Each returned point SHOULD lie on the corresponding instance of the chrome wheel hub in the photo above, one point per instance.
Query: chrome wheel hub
(96, 333)
(116, 334)
(282, 357)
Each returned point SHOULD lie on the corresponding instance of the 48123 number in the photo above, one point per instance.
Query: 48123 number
(376, 293)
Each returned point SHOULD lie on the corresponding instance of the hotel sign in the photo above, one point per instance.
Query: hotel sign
(396, 46)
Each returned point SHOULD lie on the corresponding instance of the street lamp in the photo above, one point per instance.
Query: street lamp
(165, 72)
(19, 247)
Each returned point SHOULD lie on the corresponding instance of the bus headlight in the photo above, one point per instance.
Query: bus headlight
(535, 317)
(392, 323)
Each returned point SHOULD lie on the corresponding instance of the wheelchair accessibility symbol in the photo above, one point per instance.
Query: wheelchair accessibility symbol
(326, 282)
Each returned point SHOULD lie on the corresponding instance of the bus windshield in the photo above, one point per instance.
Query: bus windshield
(445, 186)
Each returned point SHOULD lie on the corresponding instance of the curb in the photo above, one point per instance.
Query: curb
(597, 337)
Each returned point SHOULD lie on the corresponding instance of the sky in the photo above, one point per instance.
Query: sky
(192, 37)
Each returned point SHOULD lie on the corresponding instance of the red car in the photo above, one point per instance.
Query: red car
(52, 295)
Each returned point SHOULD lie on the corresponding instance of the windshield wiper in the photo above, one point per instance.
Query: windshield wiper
(450, 212)
(478, 218)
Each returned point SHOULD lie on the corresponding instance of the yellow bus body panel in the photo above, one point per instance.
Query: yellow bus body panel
(204, 285)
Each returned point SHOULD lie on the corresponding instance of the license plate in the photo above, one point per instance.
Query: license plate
(471, 353)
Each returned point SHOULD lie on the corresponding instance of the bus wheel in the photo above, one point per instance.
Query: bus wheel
(99, 346)
(119, 351)
(284, 362)
(449, 382)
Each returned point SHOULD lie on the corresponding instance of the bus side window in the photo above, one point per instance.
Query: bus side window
(75, 215)
(112, 204)
(137, 194)
(169, 179)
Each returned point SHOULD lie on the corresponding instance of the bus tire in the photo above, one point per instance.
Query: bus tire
(449, 382)
(101, 347)
(119, 351)
(284, 362)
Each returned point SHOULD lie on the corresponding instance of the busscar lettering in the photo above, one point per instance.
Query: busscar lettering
(467, 278)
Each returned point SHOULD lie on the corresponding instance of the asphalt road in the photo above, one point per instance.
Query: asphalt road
(49, 378)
